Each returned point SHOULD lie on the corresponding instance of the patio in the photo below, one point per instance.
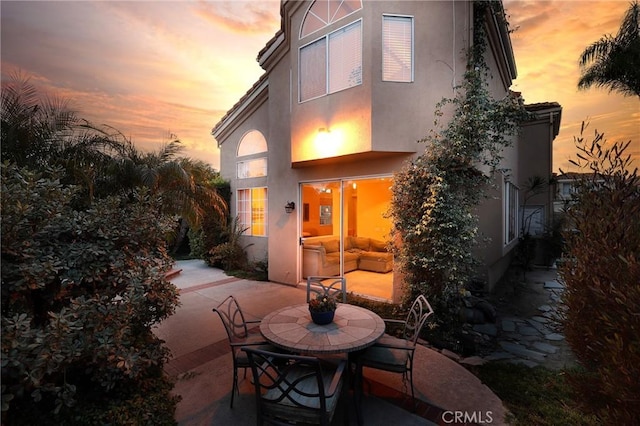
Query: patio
(202, 364)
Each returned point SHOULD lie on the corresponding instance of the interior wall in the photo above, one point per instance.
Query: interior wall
(373, 203)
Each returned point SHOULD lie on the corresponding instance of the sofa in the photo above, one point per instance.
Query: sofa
(321, 255)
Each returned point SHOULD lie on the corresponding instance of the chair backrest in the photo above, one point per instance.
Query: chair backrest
(232, 319)
(288, 387)
(332, 286)
(417, 316)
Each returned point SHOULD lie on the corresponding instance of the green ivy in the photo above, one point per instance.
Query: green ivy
(435, 196)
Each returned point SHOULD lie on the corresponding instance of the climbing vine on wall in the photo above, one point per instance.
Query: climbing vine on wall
(434, 196)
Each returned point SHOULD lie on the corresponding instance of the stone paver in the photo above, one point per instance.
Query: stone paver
(536, 339)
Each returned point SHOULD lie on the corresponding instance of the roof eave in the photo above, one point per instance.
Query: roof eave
(255, 96)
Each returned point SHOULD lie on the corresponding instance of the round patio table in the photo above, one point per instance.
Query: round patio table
(353, 328)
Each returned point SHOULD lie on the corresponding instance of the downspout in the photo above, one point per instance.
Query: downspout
(551, 191)
(453, 47)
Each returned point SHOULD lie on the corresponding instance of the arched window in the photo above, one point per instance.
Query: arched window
(253, 142)
(252, 201)
(324, 12)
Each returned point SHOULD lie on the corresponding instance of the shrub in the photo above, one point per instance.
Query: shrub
(602, 277)
(230, 255)
(212, 231)
(81, 291)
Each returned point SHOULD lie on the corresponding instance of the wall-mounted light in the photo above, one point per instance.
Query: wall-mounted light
(324, 136)
(289, 207)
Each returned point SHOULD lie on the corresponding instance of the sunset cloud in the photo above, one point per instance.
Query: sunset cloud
(242, 16)
(549, 39)
(150, 68)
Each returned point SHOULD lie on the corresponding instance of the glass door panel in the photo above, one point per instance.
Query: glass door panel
(321, 224)
(345, 232)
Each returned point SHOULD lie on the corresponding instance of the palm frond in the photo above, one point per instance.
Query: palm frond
(614, 62)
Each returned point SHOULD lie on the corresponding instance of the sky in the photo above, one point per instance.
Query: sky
(153, 69)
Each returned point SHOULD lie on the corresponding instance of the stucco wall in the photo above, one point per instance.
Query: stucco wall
(382, 117)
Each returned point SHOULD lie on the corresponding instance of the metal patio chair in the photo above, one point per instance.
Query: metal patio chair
(333, 286)
(395, 354)
(294, 389)
(238, 333)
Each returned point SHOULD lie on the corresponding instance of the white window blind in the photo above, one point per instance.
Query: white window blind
(332, 63)
(397, 48)
(345, 57)
(313, 70)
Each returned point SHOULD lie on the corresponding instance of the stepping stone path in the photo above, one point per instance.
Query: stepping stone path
(537, 340)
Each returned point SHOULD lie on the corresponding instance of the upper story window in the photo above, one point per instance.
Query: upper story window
(252, 168)
(397, 48)
(331, 63)
(324, 12)
(253, 142)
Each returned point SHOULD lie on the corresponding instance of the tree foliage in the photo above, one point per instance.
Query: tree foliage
(614, 62)
(81, 290)
(434, 196)
(85, 222)
(40, 131)
(602, 277)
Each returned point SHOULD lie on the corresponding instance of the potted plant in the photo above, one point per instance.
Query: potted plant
(322, 308)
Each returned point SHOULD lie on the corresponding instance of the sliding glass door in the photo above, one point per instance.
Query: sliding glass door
(345, 232)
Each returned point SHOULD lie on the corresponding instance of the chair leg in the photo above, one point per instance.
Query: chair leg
(358, 392)
(413, 396)
(234, 387)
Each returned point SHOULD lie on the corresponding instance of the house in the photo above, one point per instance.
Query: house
(349, 89)
(565, 188)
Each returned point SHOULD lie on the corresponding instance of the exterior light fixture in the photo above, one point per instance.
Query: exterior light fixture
(289, 207)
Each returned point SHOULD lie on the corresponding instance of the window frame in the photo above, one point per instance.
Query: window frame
(412, 53)
(331, 19)
(247, 215)
(245, 167)
(327, 55)
(511, 207)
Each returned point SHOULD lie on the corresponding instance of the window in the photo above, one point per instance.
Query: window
(252, 211)
(397, 48)
(331, 63)
(252, 168)
(326, 215)
(566, 189)
(325, 12)
(252, 142)
(511, 212)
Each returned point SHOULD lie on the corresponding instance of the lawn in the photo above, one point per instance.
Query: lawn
(535, 396)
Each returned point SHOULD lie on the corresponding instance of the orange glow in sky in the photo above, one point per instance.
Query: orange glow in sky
(154, 68)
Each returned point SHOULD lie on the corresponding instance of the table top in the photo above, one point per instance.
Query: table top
(353, 328)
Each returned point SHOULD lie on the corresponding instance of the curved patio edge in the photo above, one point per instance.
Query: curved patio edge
(445, 384)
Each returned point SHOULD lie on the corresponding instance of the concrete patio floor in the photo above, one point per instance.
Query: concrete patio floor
(202, 363)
